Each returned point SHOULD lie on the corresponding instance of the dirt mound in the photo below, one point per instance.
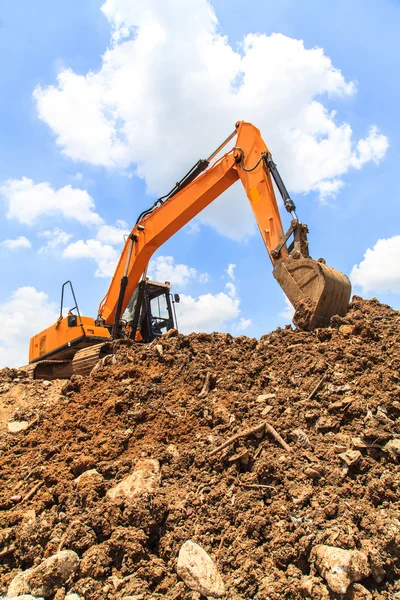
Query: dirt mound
(123, 467)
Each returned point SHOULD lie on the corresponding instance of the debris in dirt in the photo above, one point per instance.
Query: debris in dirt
(17, 426)
(206, 386)
(358, 592)
(198, 571)
(340, 567)
(312, 472)
(265, 397)
(359, 444)
(25, 597)
(316, 389)
(393, 449)
(349, 459)
(33, 491)
(258, 510)
(45, 579)
(301, 437)
(16, 498)
(145, 479)
(257, 430)
(90, 477)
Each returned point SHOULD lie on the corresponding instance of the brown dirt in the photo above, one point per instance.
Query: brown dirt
(148, 405)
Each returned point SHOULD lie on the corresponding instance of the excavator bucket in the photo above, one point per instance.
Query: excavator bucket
(316, 291)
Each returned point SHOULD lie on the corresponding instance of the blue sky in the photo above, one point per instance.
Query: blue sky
(103, 135)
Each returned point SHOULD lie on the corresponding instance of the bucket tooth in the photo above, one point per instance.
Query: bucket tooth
(316, 291)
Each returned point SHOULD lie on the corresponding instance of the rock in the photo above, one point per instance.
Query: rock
(340, 567)
(393, 449)
(313, 472)
(73, 597)
(45, 579)
(358, 592)
(301, 437)
(89, 477)
(350, 458)
(170, 333)
(347, 329)
(265, 397)
(159, 349)
(172, 450)
(145, 479)
(198, 571)
(25, 597)
(46, 383)
(17, 426)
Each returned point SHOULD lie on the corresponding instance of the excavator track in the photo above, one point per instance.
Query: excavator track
(48, 369)
(80, 364)
(84, 360)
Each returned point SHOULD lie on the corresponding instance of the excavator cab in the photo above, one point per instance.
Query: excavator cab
(150, 312)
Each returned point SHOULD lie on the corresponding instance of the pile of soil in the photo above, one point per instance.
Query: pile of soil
(257, 508)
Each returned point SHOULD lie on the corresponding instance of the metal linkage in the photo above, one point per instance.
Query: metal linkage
(288, 202)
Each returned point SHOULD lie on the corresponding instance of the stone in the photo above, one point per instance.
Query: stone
(358, 592)
(17, 426)
(89, 477)
(350, 458)
(24, 597)
(265, 397)
(198, 571)
(172, 450)
(170, 333)
(340, 567)
(347, 329)
(393, 449)
(145, 479)
(46, 578)
(73, 596)
(46, 383)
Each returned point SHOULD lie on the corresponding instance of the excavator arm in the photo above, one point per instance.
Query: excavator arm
(316, 291)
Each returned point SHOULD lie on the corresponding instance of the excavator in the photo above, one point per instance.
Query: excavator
(135, 307)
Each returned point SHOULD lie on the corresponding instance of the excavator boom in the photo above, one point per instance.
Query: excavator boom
(316, 291)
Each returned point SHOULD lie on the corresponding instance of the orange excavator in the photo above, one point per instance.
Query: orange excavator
(140, 309)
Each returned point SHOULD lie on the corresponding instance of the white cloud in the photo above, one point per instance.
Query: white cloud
(24, 314)
(231, 289)
(163, 268)
(231, 271)
(379, 270)
(27, 201)
(77, 177)
(288, 312)
(209, 312)
(55, 238)
(19, 242)
(243, 324)
(191, 86)
(105, 256)
(114, 235)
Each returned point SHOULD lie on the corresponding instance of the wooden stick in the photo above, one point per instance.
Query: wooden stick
(277, 437)
(7, 551)
(32, 492)
(255, 486)
(206, 386)
(315, 390)
(238, 436)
